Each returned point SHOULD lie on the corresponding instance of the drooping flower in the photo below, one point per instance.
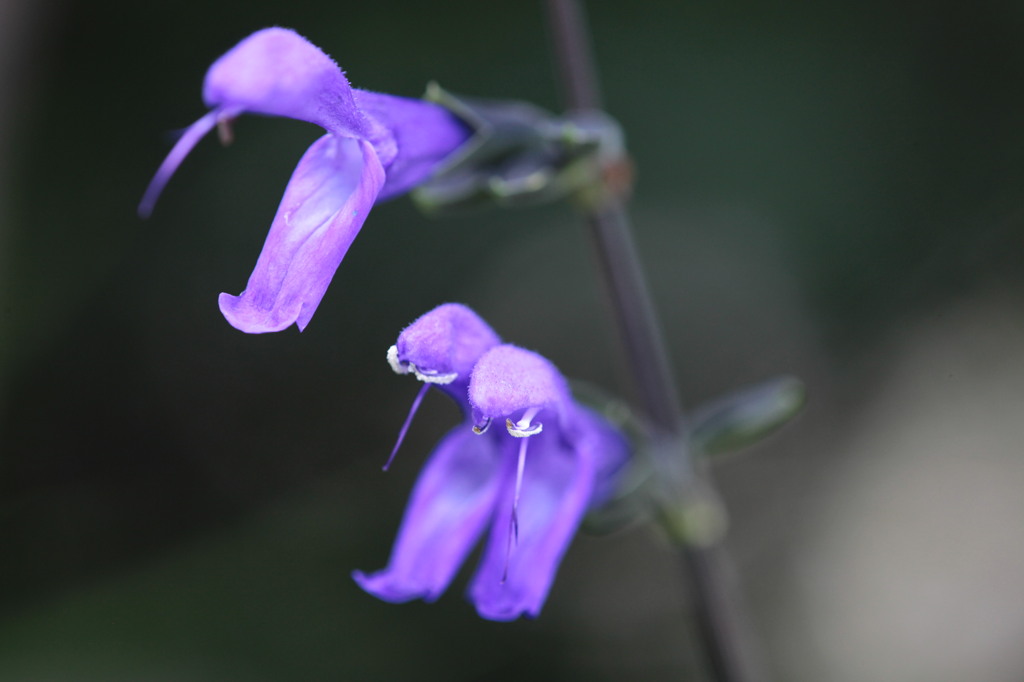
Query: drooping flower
(531, 479)
(376, 146)
(453, 498)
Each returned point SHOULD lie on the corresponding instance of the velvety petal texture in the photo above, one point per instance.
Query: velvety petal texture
(378, 145)
(277, 72)
(508, 379)
(447, 340)
(531, 478)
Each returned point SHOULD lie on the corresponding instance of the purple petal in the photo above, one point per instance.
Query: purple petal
(556, 489)
(508, 378)
(450, 505)
(324, 206)
(605, 445)
(277, 72)
(182, 147)
(448, 339)
(424, 134)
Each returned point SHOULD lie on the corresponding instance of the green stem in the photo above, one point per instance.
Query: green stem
(686, 489)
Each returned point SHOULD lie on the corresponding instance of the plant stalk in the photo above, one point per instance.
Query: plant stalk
(728, 650)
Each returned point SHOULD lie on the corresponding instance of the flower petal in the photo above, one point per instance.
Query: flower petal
(508, 378)
(277, 72)
(556, 489)
(450, 505)
(447, 340)
(423, 136)
(323, 208)
(607, 447)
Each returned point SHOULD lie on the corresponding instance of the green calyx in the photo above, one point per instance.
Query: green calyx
(519, 155)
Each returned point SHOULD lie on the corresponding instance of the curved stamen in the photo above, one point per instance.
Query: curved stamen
(524, 428)
(408, 421)
(482, 426)
(179, 151)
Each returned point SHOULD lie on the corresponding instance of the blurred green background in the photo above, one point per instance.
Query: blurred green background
(833, 190)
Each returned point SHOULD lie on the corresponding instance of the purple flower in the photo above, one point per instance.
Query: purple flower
(531, 479)
(376, 146)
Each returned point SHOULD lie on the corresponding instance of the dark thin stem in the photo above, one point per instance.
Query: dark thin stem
(728, 650)
(576, 72)
(612, 235)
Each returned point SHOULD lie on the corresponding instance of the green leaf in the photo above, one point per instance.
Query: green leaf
(746, 416)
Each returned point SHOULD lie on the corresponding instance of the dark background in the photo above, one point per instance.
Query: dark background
(833, 190)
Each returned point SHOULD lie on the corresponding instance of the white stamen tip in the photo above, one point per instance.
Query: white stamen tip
(523, 428)
(400, 366)
(397, 366)
(431, 377)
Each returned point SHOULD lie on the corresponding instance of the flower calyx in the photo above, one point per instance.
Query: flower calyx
(522, 155)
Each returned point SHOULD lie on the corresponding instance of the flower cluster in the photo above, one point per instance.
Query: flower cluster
(531, 479)
(377, 146)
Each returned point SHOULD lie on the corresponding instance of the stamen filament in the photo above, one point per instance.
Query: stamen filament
(519, 486)
(524, 422)
(513, 533)
(405, 426)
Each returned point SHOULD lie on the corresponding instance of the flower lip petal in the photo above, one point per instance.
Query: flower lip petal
(557, 484)
(450, 506)
(324, 206)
